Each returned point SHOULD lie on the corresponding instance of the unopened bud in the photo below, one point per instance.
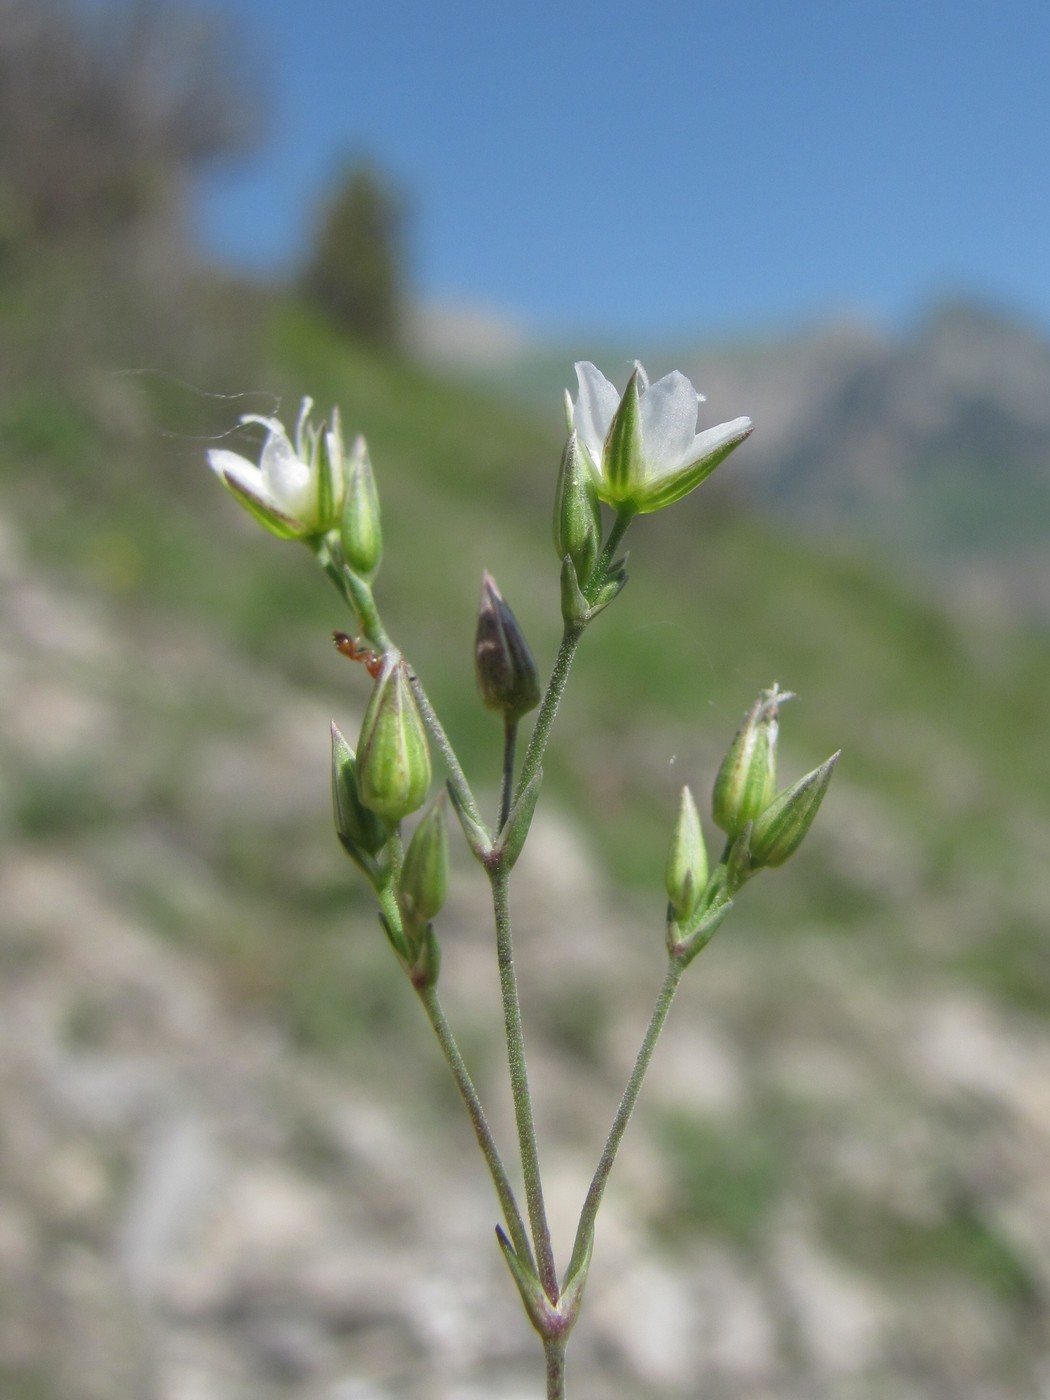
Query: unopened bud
(779, 831)
(393, 757)
(506, 671)
(424, 874)
(577, 517)
(747, 779)
(361, 832)
(686, 872)
(360, 535)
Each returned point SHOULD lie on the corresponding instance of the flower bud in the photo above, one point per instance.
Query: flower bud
(360, 535)
(506, 671)
(577, 517)
(393, 757)
(747, 779)
(424, 874)
(686, 872)
(778, 832)
(361, 832)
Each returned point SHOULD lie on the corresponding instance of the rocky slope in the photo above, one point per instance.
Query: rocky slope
(836, 1186)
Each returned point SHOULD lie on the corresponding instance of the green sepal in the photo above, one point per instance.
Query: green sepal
(511, 839)
(475, 832)
(574, 606)
(361, 833)
(360, 532)
(424, 873)
(323, 468)
(541, 1314)
(780, 830)
(577, 514)
(747, 778)
(623, 466)
(737, 862)
(393, 755)
(685, 873)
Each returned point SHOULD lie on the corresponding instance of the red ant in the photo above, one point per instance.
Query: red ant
(347, 647)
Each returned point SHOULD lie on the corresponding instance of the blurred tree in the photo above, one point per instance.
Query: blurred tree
(105, 108)
(356, 271)
(108, 111)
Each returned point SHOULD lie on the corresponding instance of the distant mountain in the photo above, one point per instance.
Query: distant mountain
(940, 441)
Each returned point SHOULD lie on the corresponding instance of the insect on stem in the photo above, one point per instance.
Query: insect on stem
(353, 651)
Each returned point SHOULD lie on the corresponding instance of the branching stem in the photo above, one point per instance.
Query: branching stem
(630, 1097)
(519, 1083)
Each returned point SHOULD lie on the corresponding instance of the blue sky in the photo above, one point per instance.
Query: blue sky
(664, 168)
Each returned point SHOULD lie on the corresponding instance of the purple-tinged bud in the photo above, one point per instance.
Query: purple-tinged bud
(505, 668)
(393, 757)
(778, 832)
(747, 779)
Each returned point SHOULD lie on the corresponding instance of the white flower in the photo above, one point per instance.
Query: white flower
(295, 491)
(643, 445)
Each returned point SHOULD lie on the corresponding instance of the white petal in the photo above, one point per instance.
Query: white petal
(711, 439)
(287, 477)
(594, 409)
(668, 413)
(245, 475)
(232, 464)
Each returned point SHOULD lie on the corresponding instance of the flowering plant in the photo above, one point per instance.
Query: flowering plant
(636, 452)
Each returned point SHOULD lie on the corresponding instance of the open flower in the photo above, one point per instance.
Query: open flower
(295, 491)
(643, 445)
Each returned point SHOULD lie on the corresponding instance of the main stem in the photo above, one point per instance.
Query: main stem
(519, 1084)
(554, 1351)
